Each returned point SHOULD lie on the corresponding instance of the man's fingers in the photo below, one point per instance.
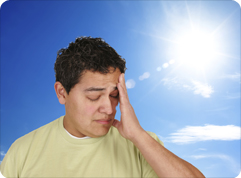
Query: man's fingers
(123, 97)
(123, 82)
(121, 92)
(122, 89)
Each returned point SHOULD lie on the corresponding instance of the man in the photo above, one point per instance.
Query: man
(88, 141)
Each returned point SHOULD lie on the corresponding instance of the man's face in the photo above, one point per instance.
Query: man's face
(91, 104)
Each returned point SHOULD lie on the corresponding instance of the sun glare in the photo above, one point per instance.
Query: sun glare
(196, 50)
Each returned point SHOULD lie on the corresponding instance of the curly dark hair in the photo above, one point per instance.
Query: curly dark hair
(86, 53)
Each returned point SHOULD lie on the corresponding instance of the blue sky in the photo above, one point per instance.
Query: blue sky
(183, 76)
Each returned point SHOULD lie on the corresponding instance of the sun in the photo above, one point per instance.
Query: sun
(196, 50)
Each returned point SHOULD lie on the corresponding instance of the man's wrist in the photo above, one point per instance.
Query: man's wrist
(138, 136)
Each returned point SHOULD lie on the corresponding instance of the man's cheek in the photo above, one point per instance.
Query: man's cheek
(90, 109)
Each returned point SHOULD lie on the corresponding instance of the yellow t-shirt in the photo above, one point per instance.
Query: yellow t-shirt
(50, 152)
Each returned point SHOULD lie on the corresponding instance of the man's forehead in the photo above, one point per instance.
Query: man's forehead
(96, 81)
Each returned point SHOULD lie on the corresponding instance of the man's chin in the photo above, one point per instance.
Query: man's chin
(100, 133)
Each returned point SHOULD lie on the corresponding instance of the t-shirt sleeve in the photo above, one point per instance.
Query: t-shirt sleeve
(9, 164)
(147, 170)
(13, 161)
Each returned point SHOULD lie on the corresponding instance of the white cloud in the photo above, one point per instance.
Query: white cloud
(203, 89)
(144, 76)
(170, 82)
(130, 83)
(229, 161)
(197, 87)
(220, 156)
(2, 153)
(235, 76)
(232, 96)
(202, 149)
(200, 88)
(192, 134)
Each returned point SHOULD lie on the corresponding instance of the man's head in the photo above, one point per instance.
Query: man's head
(85, 54)
(87, 74)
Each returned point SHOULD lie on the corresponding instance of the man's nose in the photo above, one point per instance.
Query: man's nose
(106, 106)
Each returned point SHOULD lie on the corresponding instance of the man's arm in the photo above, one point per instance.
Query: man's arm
(163, 162)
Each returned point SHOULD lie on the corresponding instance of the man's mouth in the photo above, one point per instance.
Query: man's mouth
(104, 121)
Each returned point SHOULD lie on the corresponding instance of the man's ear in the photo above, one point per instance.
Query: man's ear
(60, 92)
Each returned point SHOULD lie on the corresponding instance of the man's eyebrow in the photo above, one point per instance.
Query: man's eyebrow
(98, 89)
(94, 89)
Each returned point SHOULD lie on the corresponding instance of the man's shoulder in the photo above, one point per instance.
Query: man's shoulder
(153, 135)
(24, 146)
(27, 139)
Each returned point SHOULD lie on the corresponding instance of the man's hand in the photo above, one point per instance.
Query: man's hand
(128, 126)
(163, 162)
